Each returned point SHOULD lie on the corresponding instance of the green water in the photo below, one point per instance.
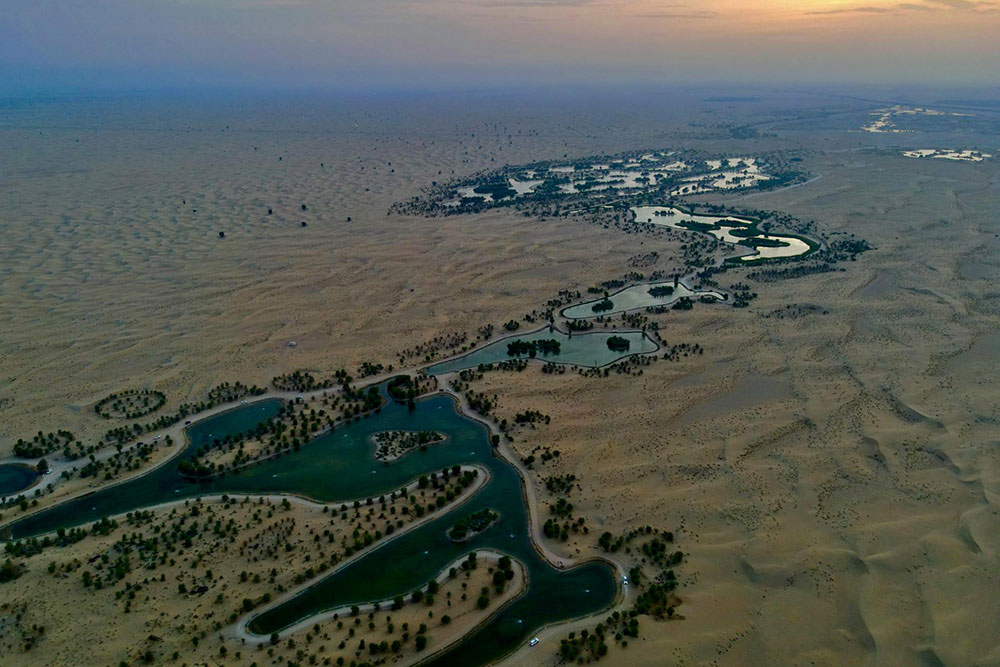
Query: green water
(638, 296)
(340, 466)
(15, 477)
(582, 349)
(159, 485)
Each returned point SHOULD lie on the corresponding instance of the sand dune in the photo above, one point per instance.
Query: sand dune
(833, 471)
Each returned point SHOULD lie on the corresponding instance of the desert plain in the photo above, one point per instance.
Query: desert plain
(829, 463)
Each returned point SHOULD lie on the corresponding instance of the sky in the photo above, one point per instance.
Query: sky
(441, 43)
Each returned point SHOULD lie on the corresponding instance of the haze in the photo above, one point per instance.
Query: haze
(377, 43)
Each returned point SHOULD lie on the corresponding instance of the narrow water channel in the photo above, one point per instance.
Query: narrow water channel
(341, 466)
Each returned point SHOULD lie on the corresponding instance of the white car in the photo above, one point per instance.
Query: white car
(534, 640)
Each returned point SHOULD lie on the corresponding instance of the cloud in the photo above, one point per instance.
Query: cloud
(855, 10)
(925, 6)
(955, 4)
(678, 11)
(680, 14)
(980, 6)
(539, 3)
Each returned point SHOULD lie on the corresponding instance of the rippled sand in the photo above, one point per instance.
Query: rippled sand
(829, 462)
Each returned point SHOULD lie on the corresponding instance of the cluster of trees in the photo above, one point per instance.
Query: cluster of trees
(533, 347)
(612, 543)
(429, 350)
(618, 344)
(579, 325)
(301, 381)
(285, 434)
(588, 646)
(675, 352)
(562, 509)
(10, 571)
(603, 305)
(228, 392)
(560, 483)
(545, 456)
(123, 459)
(498, 189)
(130, 404)
(473, 524)
(123, 573)
(531, 417)
(222, 393)
(661, 290)
(742, 295)
(784, 273)
(657, 599)
(63, 538)
(391, 444)
(368, 369)
(401, 388)
(503, 573)
(43, 443)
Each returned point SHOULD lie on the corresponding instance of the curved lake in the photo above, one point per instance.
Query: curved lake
(159, 485)
(340, 466)
(582, 349)
(722, 227)
(638, 296)
(15, 477)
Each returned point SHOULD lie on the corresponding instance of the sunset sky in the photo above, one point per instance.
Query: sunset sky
(470, 42)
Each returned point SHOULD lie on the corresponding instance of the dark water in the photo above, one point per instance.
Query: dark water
(160, 485)
(341, 466)
(15, 477)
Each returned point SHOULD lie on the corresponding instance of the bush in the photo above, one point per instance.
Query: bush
(618, 344)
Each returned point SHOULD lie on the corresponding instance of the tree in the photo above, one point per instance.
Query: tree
(421, 642)
(42, 467)
(9, 571)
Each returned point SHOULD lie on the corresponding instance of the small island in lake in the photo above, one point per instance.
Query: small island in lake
(618, 344)
(473, 524)
(390, 445)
